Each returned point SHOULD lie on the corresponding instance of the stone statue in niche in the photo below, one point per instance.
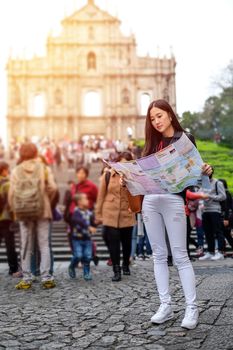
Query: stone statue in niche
(58, 97)
(91, 61)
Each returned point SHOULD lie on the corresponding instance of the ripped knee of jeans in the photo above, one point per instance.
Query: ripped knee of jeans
(160, 257)
(181, 261)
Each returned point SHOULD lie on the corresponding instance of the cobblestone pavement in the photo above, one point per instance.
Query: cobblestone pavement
(104, 315)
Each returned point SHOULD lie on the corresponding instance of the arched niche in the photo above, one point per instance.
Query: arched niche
(37, 105)
(145, 100)
(91, 61)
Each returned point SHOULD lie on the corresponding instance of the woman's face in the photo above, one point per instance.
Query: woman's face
(161, 120)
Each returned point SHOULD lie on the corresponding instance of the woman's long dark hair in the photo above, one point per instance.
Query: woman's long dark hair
(152, 136)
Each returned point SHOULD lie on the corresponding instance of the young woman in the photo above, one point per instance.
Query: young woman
(112, 210)
(167, 211)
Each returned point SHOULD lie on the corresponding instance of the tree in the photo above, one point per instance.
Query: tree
(225, 80)
(191, 121)
(216, 119)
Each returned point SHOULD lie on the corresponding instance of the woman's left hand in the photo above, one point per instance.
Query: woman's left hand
(206, 169)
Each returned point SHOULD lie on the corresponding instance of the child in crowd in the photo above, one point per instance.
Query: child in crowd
(83, 226)
(194, 207)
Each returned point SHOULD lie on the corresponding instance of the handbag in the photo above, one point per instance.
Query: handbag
(57, 215)
(135, 202)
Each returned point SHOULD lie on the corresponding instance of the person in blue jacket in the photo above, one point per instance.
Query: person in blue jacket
(83, 226)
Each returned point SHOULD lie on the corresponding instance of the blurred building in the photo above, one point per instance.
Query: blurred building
(91, 82)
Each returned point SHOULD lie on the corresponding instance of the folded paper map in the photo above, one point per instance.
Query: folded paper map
(170, 170)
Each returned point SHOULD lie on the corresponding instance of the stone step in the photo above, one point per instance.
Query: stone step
(61, 247)
(61, 240)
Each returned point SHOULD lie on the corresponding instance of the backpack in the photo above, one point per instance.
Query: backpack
(3, 196)
(28, 201)
(223, 203)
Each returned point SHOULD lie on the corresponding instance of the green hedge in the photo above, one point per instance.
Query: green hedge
(221, 157)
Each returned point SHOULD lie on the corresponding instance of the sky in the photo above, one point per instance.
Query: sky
(198, 31)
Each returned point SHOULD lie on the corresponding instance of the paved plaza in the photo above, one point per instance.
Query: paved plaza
(104, 315)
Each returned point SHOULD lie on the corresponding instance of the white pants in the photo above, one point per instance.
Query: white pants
(167, 211)
(27, 235)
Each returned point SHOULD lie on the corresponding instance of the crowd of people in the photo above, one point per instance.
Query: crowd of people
(29, 196)
(85, 151)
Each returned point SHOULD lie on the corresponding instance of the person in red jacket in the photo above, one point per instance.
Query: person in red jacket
(86, 186)
(82, 186)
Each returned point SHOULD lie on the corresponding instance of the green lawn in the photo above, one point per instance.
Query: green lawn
(221, 157)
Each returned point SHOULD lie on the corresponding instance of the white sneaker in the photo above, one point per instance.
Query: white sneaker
(191, 317)
(207, 256)
(218, 256)
(163, 314)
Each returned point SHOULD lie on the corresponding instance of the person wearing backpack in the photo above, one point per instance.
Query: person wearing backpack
(32, 189)
(212, 220)
(227, 210)
(57, 216)
(6, 220)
